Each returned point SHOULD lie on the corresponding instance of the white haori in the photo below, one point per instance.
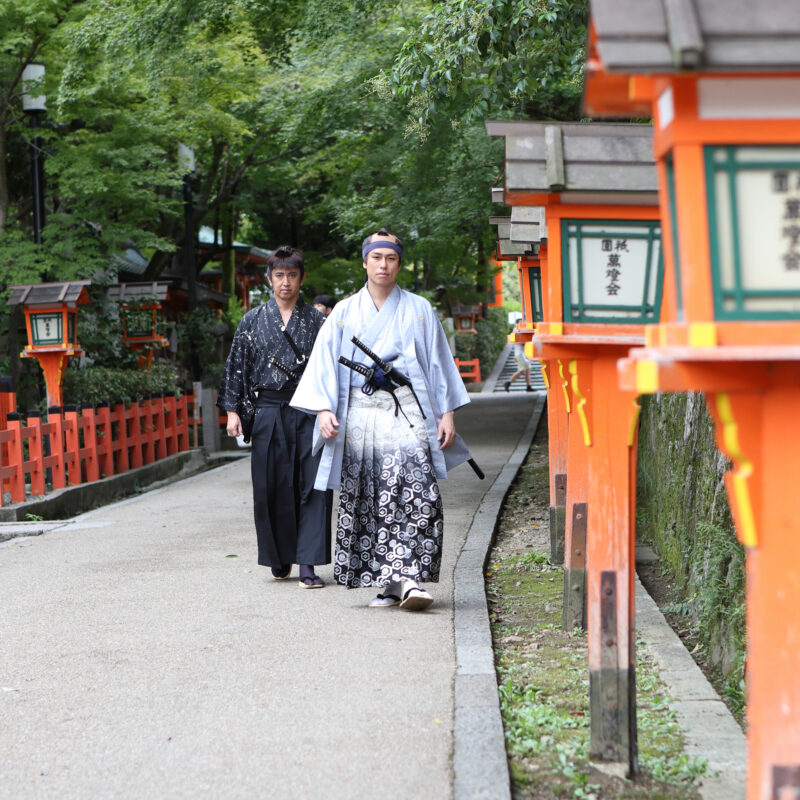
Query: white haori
(406, 332)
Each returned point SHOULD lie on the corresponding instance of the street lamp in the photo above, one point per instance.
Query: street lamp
(35, 106)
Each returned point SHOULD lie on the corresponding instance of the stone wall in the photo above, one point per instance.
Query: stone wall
(682, 511)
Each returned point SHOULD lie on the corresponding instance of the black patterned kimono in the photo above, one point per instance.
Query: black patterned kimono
(292, 518)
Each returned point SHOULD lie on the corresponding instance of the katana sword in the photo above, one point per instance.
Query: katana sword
(388, 378)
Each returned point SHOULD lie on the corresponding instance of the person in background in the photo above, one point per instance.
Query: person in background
(523, 366)
(385, 450)
(324, 303)
(292, 518)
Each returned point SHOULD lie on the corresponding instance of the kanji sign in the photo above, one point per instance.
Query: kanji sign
(611, 271)
(754, 215)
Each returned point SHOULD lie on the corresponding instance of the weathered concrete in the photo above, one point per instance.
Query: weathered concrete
(65, 503)
(141, 659)
(711, 732)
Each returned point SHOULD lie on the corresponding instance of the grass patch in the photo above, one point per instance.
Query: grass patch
(543, 677)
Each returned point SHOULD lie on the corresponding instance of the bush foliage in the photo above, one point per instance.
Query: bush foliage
(487, 344)
(107, 384)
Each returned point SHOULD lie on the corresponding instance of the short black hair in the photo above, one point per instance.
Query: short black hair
(323, 300)
(286, 257)
(381, 232)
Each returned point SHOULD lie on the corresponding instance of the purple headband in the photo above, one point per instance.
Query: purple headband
(382, 243)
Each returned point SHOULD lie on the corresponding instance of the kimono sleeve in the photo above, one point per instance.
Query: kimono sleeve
(233, 385)
(318, 389)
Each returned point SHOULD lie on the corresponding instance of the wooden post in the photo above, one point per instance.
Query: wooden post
(8, 400)
(35, 452)
(133, 417)
(148, 433)
(610, 568)
(576, 529)
(72, 457)
(55, 461)
(557, 446)
(105, 446)
(89, 449)
(159, 427)
(171, 423)
(183, 425)
(119, 424)
(14, 450)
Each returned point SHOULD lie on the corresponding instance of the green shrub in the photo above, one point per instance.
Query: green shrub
(107, 384)
(485, 345)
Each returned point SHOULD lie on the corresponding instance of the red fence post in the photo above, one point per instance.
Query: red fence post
(133, 418)
(8, 400)
(35, 452)
(89, 449)
(148, 454)
(159, 427)
(55, 461)
(72, 454)
(183, 424)
(171, 423)
(16, 478)
(105, 443)
(119, 424)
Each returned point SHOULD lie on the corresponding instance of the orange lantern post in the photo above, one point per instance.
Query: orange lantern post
(526, 235)
(138, 309)
(723, 90)
(51, 320)
(601, 285)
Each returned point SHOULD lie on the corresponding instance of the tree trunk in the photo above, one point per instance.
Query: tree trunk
(4, 202)
(228, 253)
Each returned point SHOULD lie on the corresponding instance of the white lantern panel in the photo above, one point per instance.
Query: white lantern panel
(614, 271)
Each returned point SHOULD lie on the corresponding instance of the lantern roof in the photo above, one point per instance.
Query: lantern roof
(664, 36)
(528, 224)
(132, 292)
(49, 294)
(507, 247)
(577, 159)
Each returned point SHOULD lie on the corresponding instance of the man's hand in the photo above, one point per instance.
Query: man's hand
(447, 430)
(328, 424)
(234, 426)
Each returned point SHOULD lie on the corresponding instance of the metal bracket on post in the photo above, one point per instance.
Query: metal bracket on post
(573, 613)
(558, 519)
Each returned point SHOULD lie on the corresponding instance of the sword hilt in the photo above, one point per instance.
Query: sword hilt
(283, 368)
(359, 368)
(384, 365)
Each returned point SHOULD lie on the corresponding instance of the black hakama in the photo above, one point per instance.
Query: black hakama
(292, 518)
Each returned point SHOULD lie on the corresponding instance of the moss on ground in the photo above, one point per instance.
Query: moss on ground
(543, 675)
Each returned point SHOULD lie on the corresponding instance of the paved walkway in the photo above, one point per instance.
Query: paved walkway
(144, 654)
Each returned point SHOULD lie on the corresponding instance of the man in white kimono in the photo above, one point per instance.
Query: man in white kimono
(384, 445)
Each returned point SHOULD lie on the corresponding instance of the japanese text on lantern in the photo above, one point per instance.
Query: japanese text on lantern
(786, 182)
(614, 248)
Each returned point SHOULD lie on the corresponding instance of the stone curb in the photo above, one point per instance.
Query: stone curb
(710, 731)
(480, 764)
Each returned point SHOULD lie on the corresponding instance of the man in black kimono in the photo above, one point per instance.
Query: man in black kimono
(292, 518)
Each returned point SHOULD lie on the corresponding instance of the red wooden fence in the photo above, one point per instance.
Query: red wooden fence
(83, 447)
